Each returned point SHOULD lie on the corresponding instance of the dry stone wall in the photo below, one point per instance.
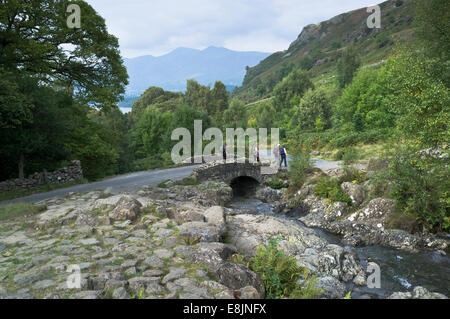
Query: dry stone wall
(73, 172)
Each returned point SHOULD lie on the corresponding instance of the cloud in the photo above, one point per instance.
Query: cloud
(157, 27)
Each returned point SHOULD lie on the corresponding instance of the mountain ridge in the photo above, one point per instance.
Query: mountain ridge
(318, 47)
(170, 71)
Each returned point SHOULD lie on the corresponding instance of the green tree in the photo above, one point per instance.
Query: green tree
(158, 97)
(199, 96)
(347, 65)
(42, 138)
(420, 100)
(35, 40)
(89, 143)
(40, 59)
(266, 115)
(235, 116)
(432, 26)
(314, 111)
(362, 104)
(152, 133)
(296, 83)
(219, 99)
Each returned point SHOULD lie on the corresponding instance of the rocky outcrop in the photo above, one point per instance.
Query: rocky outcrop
(125, 246)
(367, 226)
(417, 293)
(355, 191)
(269, 195)
(248, 232)
(127, 209)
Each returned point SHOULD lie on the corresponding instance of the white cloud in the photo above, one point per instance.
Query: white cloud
(158, 26)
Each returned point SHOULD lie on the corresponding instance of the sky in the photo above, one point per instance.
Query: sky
(156, 27)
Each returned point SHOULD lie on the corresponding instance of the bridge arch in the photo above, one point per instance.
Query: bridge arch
(228, 172)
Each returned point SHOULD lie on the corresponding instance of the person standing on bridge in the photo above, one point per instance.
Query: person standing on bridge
(283, 155)
(224, 150)
(256, 155)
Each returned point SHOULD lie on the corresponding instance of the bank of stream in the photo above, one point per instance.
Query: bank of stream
(400, 270)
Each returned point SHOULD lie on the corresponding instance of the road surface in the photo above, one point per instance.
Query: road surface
(135, 181)
(122, 183)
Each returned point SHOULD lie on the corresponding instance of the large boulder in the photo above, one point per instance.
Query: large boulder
(331, 288)
(355, 191)
(378, 208)
(269, 195)
(247, 232)
(212, 229)
(234, 276)
(186, 213)
(127, 209)
(201, 232)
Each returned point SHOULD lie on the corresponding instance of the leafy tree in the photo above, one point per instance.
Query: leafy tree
(158, 97)
(16, 107)
(42, 138)
(47, 68)
(119, 137)
(236, 115)
(219, 99)
(89, 143)
(420, 100)
(266, 115)
(347, 66)
(432, 22)
(296, 83)
(35, 40)
(314, 111)
(152, 132)
(199, 96)
(362, 104)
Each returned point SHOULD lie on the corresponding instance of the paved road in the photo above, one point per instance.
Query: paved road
(122, 183)
(134, 181)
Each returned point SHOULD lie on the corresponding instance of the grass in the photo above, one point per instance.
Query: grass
(40, 189)
(163, 185)
(188, 181)
(20, 209)
(360, 152)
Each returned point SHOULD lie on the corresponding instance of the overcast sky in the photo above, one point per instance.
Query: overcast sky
(157, 27)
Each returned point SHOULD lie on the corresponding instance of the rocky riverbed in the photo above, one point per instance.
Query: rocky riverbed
(174, 242)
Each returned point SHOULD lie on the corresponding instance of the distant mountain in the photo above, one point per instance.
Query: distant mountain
(171, 71)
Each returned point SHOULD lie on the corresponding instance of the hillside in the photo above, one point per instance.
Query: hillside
(319, 46)
(171, 71)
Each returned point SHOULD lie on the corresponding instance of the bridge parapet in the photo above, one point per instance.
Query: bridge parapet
(230, 170)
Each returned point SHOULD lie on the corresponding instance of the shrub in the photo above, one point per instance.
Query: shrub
(163, 185)
(329, 188)
(300, 163)
(421, 184)
(276, 183)
(348, 155)
(352, 175)
(281, 275)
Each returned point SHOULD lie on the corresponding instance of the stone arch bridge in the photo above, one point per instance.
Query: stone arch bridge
(231, 171)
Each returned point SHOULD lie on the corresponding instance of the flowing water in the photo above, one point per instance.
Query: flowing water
(400, 270)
